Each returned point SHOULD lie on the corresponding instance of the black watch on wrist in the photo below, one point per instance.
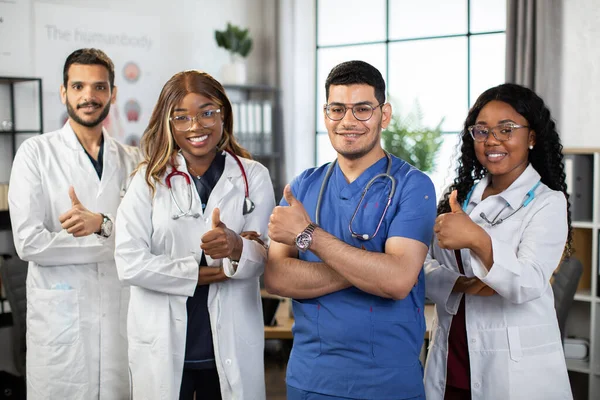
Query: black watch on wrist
(107, 226)
(305, 238)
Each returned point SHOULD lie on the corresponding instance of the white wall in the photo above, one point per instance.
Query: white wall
(580, 102)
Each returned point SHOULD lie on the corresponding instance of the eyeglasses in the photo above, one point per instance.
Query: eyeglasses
(362, 112)
(206, 118)
(501, 132)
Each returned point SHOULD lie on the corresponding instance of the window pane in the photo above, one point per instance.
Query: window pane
(430, 77)
(410, 18)
(446, 162)
(374, 54)
(325, 152)
(351, 21)
(488, 15)
(487, 63)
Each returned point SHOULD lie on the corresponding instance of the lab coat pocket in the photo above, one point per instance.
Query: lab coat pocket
(539, 376)
(248, 323)
(53, 316)
(514, 343)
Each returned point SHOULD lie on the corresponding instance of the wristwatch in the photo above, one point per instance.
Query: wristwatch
(107, 226)
(304, 238)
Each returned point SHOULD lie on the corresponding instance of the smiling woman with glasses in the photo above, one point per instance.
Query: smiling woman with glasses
(502, 132)
(206, 118)
(501, 230)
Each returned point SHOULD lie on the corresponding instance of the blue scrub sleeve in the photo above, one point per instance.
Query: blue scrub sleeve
(416, 214)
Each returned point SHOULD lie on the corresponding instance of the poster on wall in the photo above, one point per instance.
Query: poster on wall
(15, 47)
(131, 41)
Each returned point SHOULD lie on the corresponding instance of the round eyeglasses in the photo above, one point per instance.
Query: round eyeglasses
(205, 118)
(501, 132)
(362, 111)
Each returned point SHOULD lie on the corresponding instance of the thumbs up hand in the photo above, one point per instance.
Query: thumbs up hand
(220, 241)
(454, 205)
(287, 222)
(79, 221)
(455, 230)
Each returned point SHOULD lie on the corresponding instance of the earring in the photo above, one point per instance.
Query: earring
(530, 147)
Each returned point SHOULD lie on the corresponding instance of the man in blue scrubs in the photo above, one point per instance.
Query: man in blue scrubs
(354, 271)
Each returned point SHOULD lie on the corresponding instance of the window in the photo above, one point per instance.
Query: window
(439, 54)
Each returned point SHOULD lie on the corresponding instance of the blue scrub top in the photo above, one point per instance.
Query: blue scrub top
(351, 343)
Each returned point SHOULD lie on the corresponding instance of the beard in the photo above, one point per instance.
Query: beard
(88, 124)
(358, 153)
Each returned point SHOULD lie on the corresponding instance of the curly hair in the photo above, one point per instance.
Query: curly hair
(546, 157)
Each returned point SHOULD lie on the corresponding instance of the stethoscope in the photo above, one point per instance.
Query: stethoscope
(364, 192)
(248, 204)
(529, 196)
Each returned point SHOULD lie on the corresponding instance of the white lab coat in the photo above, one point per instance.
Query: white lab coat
(76, 338)
(159, 257)
(514, 341)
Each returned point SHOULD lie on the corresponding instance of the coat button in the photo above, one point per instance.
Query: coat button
(473, 340)
(476, 385)
(228, 362)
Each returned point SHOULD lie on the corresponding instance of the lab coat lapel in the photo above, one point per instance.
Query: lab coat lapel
(82, 175)
(110, 162)
(221, 194)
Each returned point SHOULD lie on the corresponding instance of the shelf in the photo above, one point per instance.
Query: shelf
(578, 365)
(583, 224)
(20, 132)
(15, 79)
(259, 88)
(585, 295)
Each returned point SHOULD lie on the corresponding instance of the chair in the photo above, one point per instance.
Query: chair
(564, 286)
(13, 272)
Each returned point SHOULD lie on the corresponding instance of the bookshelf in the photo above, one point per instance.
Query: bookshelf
(582, 167)
(258, 127)
(20, 107)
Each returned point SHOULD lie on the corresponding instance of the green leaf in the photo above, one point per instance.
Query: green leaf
(234, 39)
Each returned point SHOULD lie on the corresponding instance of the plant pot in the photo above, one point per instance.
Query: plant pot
(233, 73)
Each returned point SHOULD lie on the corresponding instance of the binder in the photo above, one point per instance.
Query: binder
(579, 171)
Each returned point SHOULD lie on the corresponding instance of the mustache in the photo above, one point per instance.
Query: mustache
(87, 104)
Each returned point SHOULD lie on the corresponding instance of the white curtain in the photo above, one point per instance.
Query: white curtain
(297, 54)
(534, 37)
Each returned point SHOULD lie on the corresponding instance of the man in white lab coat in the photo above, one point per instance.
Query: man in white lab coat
(65, 187)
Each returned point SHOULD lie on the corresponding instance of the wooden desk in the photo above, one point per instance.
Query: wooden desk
(283, 329)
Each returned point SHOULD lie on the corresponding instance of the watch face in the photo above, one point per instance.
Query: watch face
(108, 227)
(303, 241)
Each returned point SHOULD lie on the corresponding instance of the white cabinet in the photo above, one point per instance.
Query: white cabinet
(582, 167)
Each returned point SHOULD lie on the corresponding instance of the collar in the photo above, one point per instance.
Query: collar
(515, 193)
(71, 140)
(348, 190)
(231, 169)
(214, 171)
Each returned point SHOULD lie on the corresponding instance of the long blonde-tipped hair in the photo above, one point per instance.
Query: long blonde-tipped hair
(158, 145)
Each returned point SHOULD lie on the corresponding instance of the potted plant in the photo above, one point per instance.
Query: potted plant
(239, 44)
(407, 138)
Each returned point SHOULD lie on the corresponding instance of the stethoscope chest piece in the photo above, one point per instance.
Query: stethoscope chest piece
(248, 206)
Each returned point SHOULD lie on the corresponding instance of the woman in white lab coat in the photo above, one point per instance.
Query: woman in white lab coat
(195, 319)
(501, 230)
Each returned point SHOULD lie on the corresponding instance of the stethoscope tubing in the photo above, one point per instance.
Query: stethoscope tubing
(248, 204)
(386, 175)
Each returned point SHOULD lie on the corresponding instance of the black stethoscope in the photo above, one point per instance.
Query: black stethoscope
(529, 196)
(248, 204)
(364, 192)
